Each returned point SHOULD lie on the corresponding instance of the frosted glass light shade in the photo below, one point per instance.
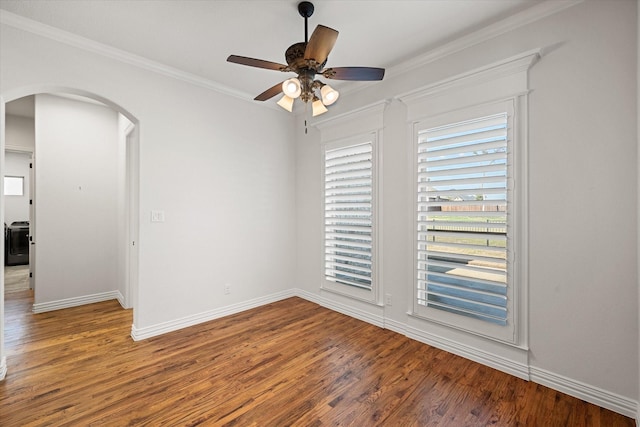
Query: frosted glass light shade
(329, 95)
(318, 108)
(286, 102)
(292, 88)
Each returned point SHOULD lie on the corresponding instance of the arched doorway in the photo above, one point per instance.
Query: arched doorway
(127, 224)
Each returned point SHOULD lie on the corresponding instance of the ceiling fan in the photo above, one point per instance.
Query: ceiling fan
(307, 59)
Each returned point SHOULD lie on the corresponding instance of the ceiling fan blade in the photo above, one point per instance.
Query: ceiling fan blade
(269, 93)
(354, 73)
(320, 44)
(252, 62)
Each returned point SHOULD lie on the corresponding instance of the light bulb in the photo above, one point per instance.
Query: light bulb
(292, 88)
(329, 95)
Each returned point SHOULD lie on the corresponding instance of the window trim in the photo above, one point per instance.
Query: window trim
(468, 324)
(498, 81)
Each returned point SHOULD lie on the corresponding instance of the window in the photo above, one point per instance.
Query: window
(470, 200)
(349, 216)
(462, 218)
(13, 186)
(465, 215)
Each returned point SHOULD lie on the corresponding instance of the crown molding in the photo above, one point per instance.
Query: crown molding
(528, 16)
(532, 14)
(56, 34)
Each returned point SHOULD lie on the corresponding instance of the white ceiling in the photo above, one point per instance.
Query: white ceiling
(196, 36)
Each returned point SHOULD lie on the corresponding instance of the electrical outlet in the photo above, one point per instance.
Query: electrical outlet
(227, 289)
(387, 299)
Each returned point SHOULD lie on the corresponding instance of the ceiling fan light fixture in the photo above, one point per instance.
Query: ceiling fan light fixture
(329, 95)
(292, 88)
(286, 102)
(318, 107)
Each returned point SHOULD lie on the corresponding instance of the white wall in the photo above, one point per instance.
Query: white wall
(235, 221)
(220, 168)
(16, 208)
(20, 132)
(76, 199)
(583, 284)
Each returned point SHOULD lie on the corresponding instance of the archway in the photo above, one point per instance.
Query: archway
(127, 240)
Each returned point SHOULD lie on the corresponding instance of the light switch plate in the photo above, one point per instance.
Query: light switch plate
(157, 216)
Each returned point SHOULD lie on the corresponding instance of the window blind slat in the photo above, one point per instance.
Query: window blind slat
(467, 126)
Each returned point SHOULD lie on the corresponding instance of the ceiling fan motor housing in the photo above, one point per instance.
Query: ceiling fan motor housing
(295, 59)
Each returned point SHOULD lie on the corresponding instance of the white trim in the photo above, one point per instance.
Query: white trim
(173, 325)
(121, 300)
(591, 394)
(352, 123)
(367, 317)
(532, 14)
(528, 16)
(514, 64)
(520, 370)
(595, 395)
(56, 34)
(18, 149)
(3, 368)
(75, 301)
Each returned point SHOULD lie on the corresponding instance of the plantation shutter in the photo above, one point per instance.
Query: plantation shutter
(348, 215)
(462, 218)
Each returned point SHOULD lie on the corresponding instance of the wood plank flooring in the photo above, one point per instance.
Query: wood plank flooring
(16, 278)
(288, 363)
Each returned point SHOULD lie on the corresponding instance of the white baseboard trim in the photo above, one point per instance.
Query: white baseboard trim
(597, 396)
(3, 368)
(520, 370)
(74, 302)
(341, 308)
(500, 363)
(120, 299)
(173, 325)
(586, 392)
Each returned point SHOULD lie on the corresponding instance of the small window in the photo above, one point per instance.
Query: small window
(350, 217)
(14, 186)
(348, 183)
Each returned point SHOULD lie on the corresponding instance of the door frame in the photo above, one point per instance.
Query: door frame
(32, 204)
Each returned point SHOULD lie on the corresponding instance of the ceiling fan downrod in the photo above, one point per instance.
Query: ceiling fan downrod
(305, 9)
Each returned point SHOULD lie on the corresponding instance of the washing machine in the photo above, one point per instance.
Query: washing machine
(17, 243)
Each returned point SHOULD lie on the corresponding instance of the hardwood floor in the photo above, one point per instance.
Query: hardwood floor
(288, 363)
(16, 278)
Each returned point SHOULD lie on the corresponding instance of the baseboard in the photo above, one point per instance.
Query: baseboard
(3, 368)
(341, 308)
(586, 392)
(74, 302)
(520, 370)
(597, 396)
(173, 325)
(500, 363)
(120, 299)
